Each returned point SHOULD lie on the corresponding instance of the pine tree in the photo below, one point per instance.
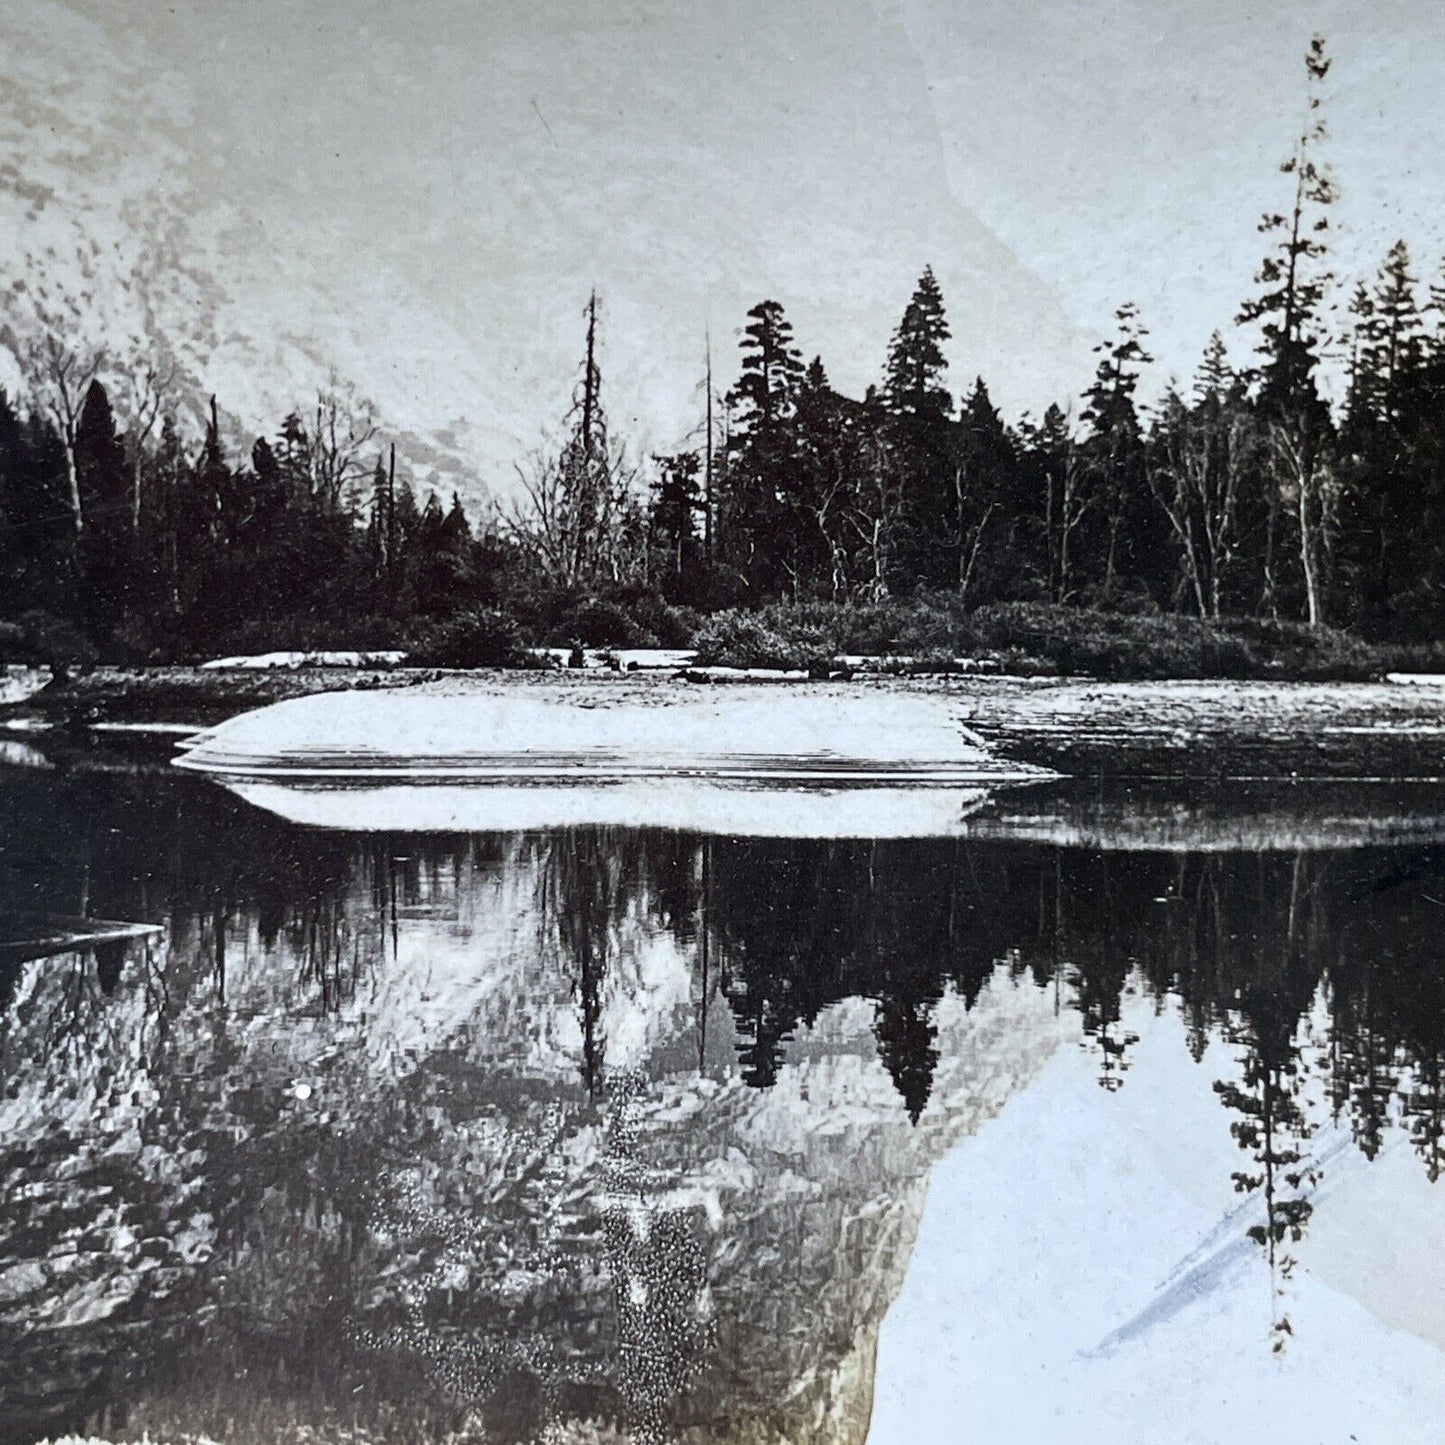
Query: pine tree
(1387, 436)
(1362, 398)
(766, 393)
(1396, 326)
(762, 451)
(1434, 344)
(1293, 277)
(456, 527)
(920, 445)
(100, 457)
(168, 510)
(1114, 447)
(913, 383)
(381, 529)
(103, 481)
(20, 508)
(985, 483)
(676, 500)
(1215, 380)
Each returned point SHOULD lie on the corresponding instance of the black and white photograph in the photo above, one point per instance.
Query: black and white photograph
(722, 722)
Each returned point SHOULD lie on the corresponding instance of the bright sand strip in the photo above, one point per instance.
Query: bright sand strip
(758, 763)
(753, 734)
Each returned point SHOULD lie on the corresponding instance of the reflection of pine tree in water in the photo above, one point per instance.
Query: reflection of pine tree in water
(1271, 1128)
(776, 917)
(1424, 1108)
(906, 1038)
(1415, 1005)
(1273, 997)
(590, 882)
(1082, 915)
(801, 926)
(580, 901)
(1239, 943)
(1387, 994)
(1363, 1076)
(1099, 995)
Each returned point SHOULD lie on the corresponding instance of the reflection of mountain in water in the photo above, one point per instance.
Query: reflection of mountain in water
(600, 1125)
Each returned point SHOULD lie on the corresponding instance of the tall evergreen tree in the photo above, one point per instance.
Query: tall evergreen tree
(1395, 327)
(986, 502)
(920, 443)
(103, 480)
(676, 503)
(381, 527)
(1293, 280)
(913, 384)
(1389, 438)
(1293, 276)
(1114, 450)
(762, 451)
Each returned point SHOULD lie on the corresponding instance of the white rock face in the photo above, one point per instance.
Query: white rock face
(1089, 1283)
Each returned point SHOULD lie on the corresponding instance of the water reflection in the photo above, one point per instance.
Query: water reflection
(609, 1130)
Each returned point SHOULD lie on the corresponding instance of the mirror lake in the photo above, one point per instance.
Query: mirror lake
(616, 1132)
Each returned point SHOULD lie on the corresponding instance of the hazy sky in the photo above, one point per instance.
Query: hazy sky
(428, 189)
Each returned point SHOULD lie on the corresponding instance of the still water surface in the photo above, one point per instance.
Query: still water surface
(619, 1133)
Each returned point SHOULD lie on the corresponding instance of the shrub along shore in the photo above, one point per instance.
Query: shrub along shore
(921, 637)
(927, 633)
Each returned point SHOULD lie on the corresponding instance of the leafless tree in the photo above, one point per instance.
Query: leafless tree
(968, 538)
(61, 375)
(1198, 478)
(579, 512)
(578, 515)
(1307, 477)
(1069, 497)
(876, 514)
(344, 431)
(150, 384)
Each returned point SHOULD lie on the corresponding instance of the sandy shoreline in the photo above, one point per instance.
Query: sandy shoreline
(1190, 730)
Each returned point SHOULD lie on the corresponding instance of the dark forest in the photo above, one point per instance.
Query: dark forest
(1274, 500)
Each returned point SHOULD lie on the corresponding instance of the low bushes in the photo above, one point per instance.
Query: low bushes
(44, 640)
(735, 638)
(483, 637)
(1037, 638)
(1137, 647)
(616, 616)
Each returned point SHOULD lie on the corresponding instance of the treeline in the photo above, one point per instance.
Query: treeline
(1246, 494)
(129, 547)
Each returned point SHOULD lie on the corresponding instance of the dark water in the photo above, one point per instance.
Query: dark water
(411, 1137)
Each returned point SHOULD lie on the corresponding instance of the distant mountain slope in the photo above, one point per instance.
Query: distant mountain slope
(420, 202)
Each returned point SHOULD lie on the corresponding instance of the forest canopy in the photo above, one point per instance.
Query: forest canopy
(1257, 491)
